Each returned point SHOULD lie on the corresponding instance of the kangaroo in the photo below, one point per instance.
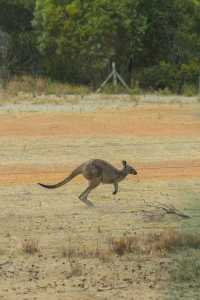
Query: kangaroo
(96, 171)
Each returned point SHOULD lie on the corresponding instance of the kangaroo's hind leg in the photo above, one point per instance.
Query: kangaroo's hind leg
(92, 185)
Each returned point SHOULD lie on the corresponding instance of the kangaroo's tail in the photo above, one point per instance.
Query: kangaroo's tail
(75, 173)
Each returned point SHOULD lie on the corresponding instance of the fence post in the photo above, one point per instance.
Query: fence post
(115, 76)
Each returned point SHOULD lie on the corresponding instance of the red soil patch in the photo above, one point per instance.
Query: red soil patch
(26, 174)
(161, 121)
(143, 122)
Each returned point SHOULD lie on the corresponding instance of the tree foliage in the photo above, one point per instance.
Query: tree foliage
(16, 21)
(155, 42)
(89, 34)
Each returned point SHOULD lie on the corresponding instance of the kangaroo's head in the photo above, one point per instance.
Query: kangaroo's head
(128, 169)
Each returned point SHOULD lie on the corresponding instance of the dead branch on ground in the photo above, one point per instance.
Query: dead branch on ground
(167, 209)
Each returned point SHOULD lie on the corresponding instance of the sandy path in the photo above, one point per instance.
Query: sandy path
(135, 122)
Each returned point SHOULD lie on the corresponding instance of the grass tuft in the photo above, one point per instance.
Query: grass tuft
(122, 245)
(171, 240)
(165, 241)
(85, 252)
(30, 246)
(152, 243)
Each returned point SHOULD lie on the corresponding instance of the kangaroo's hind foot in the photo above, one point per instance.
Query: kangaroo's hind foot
(86, 201)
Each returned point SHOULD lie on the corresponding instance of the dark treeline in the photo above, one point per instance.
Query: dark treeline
(154, 43)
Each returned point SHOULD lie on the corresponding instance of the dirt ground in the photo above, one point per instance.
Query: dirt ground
(162, 141)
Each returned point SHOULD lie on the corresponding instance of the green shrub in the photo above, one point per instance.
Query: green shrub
(189, 90)
(170, 77)
(158, 77)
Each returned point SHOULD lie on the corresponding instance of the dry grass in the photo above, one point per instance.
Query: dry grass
(2, 251)
(172, 240)
(86, 252)
(165, 241)
(76, 268)
(153, 243)
(127, 244)
(25, 84)
(37, 86)
(30, 246)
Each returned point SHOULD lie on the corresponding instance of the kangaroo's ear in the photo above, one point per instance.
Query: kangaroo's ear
(124, 163)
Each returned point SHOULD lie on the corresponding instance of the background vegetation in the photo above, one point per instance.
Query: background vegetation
(156, 43)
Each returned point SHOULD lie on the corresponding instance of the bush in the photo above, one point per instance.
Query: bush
(176, 78)
(158, 77)
(189, 76)
(189, 90)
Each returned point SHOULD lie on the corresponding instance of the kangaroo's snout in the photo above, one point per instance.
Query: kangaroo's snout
(134, 172)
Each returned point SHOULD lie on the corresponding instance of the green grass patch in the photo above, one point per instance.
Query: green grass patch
(186, 269)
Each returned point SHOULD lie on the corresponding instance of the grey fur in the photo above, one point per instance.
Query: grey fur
(97, 171)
